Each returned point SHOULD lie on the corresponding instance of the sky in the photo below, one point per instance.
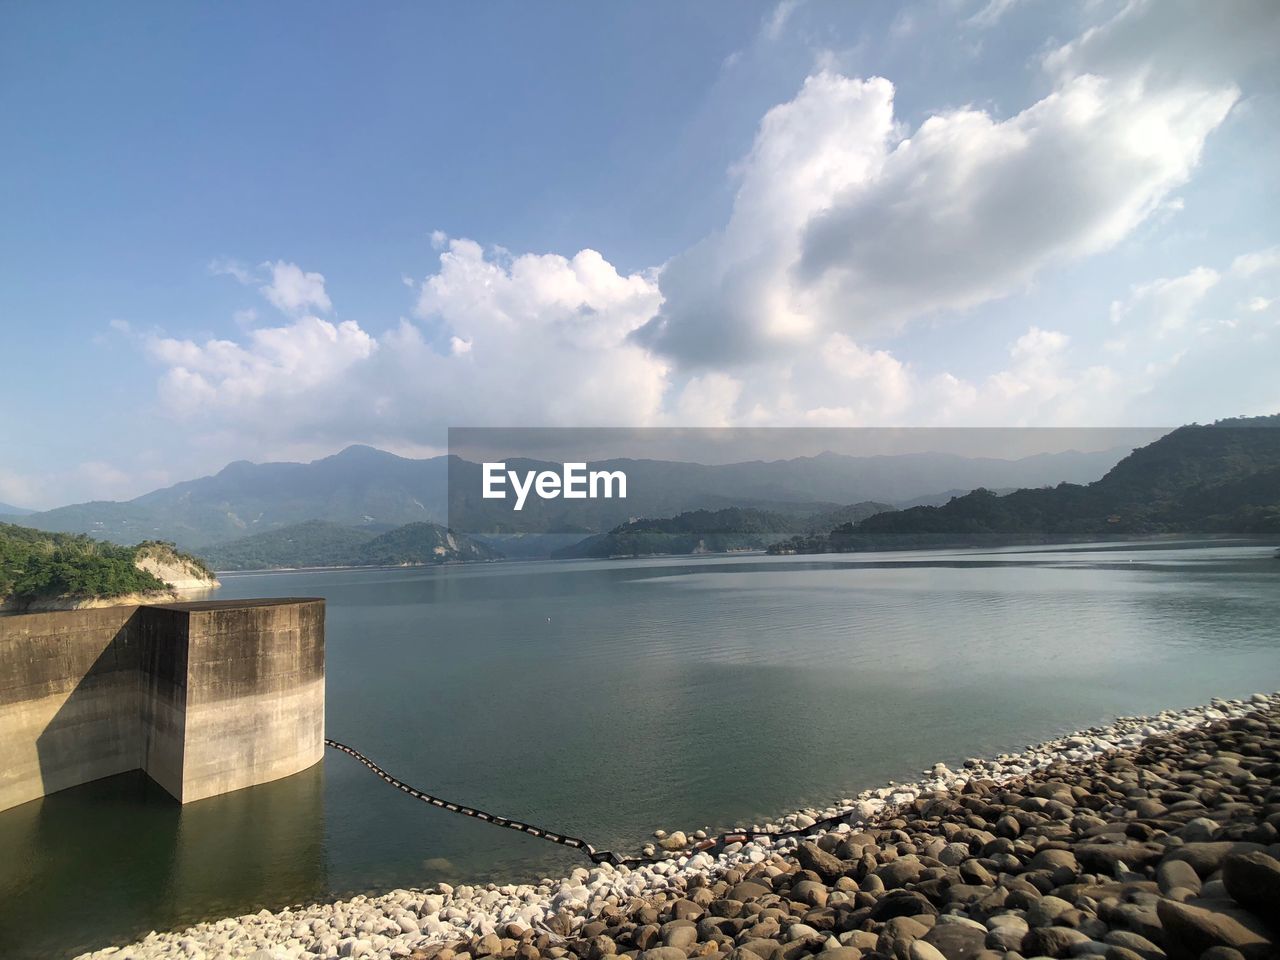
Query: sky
(267, 231)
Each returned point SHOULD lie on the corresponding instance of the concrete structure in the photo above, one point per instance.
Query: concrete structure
(206, 697)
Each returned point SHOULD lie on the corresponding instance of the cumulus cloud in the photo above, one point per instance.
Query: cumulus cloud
(1172, 43)
(275, 361)
(286, 286)
(291, 289)
(845, 222)
(846, 227)
(536, 339)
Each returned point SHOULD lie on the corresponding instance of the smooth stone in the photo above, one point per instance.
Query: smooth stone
(679, 934)
(902, 903)
(1206, 858)
(811, 892)
(749, 890)
(812, 857)
(840, 953)
(899, 873)
(1052, 941)
(663, 953)
(1190, 930)
(1177, 873)
(1045, 910)
(956, 941)
(1253, 881)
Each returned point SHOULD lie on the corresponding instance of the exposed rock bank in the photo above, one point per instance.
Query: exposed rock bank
(1149, 838)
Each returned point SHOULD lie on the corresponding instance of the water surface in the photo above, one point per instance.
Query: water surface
(607, 698)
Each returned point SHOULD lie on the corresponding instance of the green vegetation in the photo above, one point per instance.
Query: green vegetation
(416, 543)
(1217, 479)
(35, 565)
(711, 531)
(317, 543)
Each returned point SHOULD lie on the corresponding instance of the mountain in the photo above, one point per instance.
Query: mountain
(853, 513)
(698, 531)
(364, 487)
(711, 531)
(416, 543)
(661, 488)
(1220, 478)
(62, 570)
(314, 543)
(9, 510)
(318, 543)
(939, 499)
(359, 486)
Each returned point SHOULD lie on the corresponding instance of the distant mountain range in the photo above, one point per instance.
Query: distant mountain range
(317, 543)
(1222, 478)
(367, 488)
(9, 510)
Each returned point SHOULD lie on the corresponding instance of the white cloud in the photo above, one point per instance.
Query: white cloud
(1175, 43)
(293, 290)
(537, 339)
(845, 228)
(843, 223)
(778, 18)
(1167, 303)
(226, 267)
(991, 13)
(222, 376)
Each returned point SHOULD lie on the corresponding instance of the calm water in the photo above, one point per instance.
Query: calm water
(607, 698)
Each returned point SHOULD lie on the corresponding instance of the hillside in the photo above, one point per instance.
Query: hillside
(358, 486)
(52, 569)
(314, 543)
(709, 531)
(364, 487)
(1216, 479)
(9, 510)
(416, 543)
(697, 531)
(796, 487)
(318, 543)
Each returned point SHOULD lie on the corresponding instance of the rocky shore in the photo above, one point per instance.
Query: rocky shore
(1150, 837)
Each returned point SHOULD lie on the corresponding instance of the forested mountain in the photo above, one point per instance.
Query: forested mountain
(359, 486)
(710, 531)
(364, 487)
(318, 543)
(1220, 478)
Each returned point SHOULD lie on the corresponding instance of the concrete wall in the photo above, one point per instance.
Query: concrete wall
(206, 697)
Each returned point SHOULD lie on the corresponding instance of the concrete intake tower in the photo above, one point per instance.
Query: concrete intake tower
(206, 697)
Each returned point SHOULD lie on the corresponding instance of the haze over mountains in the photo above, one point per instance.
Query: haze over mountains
(1215, 479)
(365, 487)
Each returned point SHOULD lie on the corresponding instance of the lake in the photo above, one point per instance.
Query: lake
(609, 698)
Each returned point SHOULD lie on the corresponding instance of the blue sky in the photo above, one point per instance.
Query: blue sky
(266, 231)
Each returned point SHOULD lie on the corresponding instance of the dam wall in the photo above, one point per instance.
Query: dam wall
(205, 697)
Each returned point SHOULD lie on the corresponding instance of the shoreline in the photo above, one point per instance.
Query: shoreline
(1153, 541)
(403, 921)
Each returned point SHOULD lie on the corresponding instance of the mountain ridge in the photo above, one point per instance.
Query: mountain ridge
(362, 485)
(1219, 478)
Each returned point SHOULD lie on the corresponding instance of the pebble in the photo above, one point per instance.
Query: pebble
(1094, 844)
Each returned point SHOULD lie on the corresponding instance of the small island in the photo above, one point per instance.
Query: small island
(63, 571)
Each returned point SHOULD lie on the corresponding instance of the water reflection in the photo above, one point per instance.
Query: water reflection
(111, 860)
(610, 698)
